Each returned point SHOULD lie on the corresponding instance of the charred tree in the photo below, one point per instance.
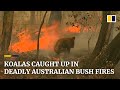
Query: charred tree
(104, 36)
(55, 16)
(111, 36)
(109, 56)
(32, 23)
(42, 22)
(32, 17)
(89, 44)
(7, 30)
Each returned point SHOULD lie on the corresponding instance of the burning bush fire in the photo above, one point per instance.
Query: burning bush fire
(73, 29)
(48, 38)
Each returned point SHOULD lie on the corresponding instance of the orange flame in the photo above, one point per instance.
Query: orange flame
(49, 36)
(73, 29)
(47, 39)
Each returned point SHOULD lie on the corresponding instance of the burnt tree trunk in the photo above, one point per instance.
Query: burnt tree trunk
(32, 17)
(109, 56)
(89, 44)
(104, 36)
(111, 36)
(32, 23)
(42, 22)
(55, 16)
(7, 30)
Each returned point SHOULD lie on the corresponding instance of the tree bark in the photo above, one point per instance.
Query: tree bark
(111, 36)
(32, 17)
(55, 16)
(7, 30)
(89, 44)
(104, 36)
(109, 56)
(42, 22)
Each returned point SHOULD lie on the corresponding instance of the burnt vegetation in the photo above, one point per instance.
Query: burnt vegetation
(32, 30)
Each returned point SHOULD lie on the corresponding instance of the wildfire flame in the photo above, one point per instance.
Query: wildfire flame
(73, 29)
(49, 36)
(47, 39)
